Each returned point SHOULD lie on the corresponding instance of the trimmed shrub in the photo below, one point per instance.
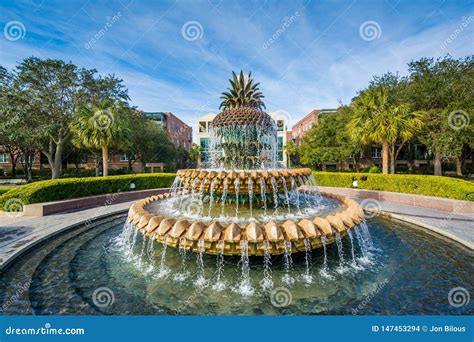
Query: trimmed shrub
(373, 169)
(411, 184)
(4, 190)
(67, 188)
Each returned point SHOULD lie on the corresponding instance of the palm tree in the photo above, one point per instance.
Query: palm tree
(101, 126)
(376, 120)
(242, 93)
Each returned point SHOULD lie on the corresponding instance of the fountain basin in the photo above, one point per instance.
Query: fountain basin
(256, 238)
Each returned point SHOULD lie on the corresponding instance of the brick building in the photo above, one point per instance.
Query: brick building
(306, 123)
(179, 132)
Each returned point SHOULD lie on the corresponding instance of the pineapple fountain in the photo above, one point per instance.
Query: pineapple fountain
(242, 203)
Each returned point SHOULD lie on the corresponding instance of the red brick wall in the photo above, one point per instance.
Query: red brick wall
(302, 126)
(180, 133)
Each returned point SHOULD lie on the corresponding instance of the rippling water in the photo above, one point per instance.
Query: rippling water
(92, 271)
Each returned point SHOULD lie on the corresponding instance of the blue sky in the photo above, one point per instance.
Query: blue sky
(306, 54)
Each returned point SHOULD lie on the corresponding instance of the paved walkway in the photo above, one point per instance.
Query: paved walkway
(458, 227)
(22, 232)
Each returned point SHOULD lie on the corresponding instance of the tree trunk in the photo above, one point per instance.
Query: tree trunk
(410, 158)
(356, 165)
(55, 156)
(30, 156)
(58, 156)
(13, 168)
(437, 163)
(458, 166)
(385, 157)
(13, 160)
(105, 157)
(392, 158)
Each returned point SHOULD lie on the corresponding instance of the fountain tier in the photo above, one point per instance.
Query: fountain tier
(229, 239)
(243, 139)
(220, 180)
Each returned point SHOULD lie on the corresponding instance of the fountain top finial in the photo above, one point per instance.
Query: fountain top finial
(242, 116)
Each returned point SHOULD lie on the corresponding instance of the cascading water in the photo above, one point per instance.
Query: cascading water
(224, 195)
(366, 235)
(263, 194)
(250, 190)
(275, 193)
(246, 180)
(352, 247)
(163, 270)
(362, 244)
(307, 277)
(267, 282)
(237, 189)
(181, 276)
(288, 264)
(219, 284)
(200, 279)
(285, 191)
(324, 269)
(340, 251)
(245, 287)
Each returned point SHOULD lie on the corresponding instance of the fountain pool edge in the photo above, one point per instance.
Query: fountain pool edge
(13, 250)
(430, 228)
(16, 248)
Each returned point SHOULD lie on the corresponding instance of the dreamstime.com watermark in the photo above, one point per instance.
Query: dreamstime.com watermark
(14, 30)
(287, 22)
(280, 297)
(452, 37)
(371, 207)
(20, 289)
(14, 207)
(369, 297)
(103, 297)
(370, 30)
(46, 330)
(103, 119)
(458, 297)
(192, 30)
(110, 199)
(458, 119)
(186, 303)
(110, 21)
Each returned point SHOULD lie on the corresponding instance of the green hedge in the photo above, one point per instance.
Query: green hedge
(60, 189)
(4, 190)
(411, 184)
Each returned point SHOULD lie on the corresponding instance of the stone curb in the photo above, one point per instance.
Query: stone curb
(426, 226)
(48, 208)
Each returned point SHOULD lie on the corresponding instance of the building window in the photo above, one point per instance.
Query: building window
(3, 158)
(204, 142)
(376, 152)
(280, 125)
(280, 149)
(123, 157)
(202, 126)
